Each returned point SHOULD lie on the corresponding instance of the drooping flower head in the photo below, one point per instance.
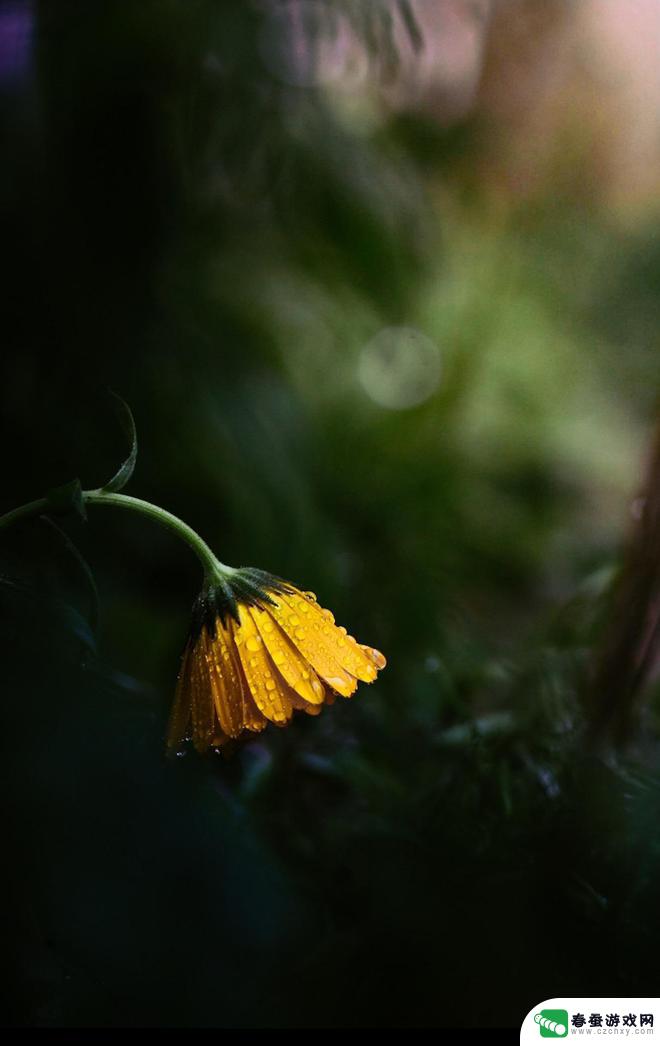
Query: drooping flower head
(258, 649)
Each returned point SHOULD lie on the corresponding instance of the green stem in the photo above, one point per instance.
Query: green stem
(212, 566)
(33, 508)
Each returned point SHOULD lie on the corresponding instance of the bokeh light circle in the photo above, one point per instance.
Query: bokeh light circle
(400, 368)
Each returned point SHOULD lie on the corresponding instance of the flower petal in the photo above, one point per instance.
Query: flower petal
(357, 659)
(179, 724)
(266, 689)
(252, 717)
(225, 681)
(375, 655)
(307, 631)
(300, 704)
(203, 710)
(297, 702)
(287, 660)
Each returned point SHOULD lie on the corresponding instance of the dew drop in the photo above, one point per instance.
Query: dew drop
(376, 656)
(336, 682)
(253, 642)
(270, 685)
(278, 657)
(294, 619)
(300, 633)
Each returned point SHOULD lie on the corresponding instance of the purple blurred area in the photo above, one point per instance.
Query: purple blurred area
(16, 35)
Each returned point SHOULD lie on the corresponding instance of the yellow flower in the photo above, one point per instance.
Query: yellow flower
(258, 649)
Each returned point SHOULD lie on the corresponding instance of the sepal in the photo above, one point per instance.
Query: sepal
(67, 498)
(221, 596)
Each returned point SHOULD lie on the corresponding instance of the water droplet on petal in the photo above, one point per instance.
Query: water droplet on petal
(336, 682)
(253, 642)
(375, 655)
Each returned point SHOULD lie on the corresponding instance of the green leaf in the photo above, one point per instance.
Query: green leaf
(67, 498)
(125, 471)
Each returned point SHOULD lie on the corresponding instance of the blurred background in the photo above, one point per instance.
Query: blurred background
(379, 282)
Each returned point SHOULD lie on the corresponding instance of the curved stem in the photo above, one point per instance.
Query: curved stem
(32, 508)
(167, 519)
(212, 566)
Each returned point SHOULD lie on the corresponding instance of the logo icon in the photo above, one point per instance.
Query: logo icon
(553, 1024)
